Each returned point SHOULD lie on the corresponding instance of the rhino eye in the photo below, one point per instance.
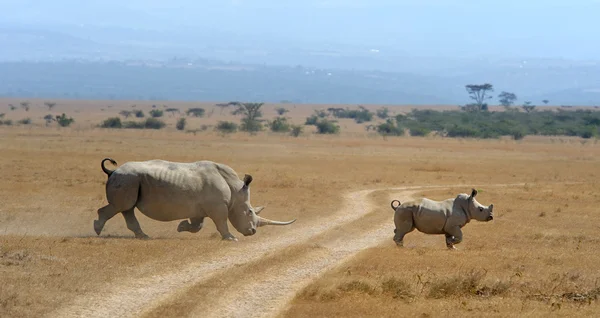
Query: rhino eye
(480, 209)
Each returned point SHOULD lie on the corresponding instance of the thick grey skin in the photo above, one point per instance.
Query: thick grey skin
(168, 191)
(439, 217)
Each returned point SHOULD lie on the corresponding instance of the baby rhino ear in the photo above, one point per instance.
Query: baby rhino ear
(473, 193)
(247, 180)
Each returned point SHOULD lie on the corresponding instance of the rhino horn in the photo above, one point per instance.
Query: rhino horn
(263, 221)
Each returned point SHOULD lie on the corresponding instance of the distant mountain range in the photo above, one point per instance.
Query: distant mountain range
(120, 62)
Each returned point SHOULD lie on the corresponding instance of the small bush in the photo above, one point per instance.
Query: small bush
(153, 123)
(2, 115)
(125, 113)
(180, 124)
(49, 118)
(64, 121)
(133, 125)
(462, 131)
(113, 122)
(196, 112)
(226, 127)
(325, 126)
(312, 120)
(279, 124)
(24, 121)
(360, 115)
(383, 113)
(419, 131)
(296, 130)
(280, 111)
(149, 123)
(139, 113)
(389, 128)
(250, 125)
(7, 122)
(156, 113)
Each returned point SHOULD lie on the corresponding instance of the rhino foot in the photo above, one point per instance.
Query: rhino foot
(98, 226)
(451, 247)
(142, 236)
(229, 237)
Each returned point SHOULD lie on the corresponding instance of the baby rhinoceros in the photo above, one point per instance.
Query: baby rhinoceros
(439, 217)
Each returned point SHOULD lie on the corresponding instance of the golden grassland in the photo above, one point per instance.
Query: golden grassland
(537, 258)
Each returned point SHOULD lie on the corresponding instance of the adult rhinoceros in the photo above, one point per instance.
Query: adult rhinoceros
(168, 191)
(439, 217)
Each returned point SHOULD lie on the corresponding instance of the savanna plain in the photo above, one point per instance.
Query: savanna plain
(537, 258)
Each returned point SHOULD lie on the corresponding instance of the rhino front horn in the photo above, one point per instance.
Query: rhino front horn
(262, 221)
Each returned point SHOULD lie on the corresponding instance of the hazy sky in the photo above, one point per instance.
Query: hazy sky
(509, 28)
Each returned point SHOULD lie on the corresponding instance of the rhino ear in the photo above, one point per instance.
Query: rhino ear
(258, 209)
(473, 193)
(247, 180)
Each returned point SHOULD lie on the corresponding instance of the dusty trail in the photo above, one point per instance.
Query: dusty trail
(137, 295)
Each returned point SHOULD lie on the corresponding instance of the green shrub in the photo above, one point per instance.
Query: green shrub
(139, 113)
(180, 124)
(153, 123)
(462, 131)
(360, 115)
(280, 111)
(389, 128)
(383, 113)
(325, 126)
(226, 127)
(296, 130)
(64, 121)
(156, 113)
(113, 122)
(133, 125)
(251, 125)
(24, 121)
(7, 122)
(279, 124)
(149, 123)
(419, 131)
(312, 120)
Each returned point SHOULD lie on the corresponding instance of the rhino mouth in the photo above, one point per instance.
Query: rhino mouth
(250, 232)
(491, 217)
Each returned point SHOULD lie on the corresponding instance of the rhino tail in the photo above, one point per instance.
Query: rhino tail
(107, 171)
(395, 207)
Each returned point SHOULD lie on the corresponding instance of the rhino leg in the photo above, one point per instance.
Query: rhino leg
(219, 217)
(194, 226)
(404, 225)
(453, 236)
(133, 225)
(105, 213)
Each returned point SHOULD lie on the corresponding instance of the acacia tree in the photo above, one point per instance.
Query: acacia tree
(25, 106)
(507, 99)
(50, 105)
(125, 113)
(527, 107)
(251, 113)
(545, 101)
(478, 93)
(172, 111)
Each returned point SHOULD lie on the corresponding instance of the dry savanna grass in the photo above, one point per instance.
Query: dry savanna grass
(537, 258)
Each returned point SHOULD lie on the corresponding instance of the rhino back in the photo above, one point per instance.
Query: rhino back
(171, 190)
(431, 216)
